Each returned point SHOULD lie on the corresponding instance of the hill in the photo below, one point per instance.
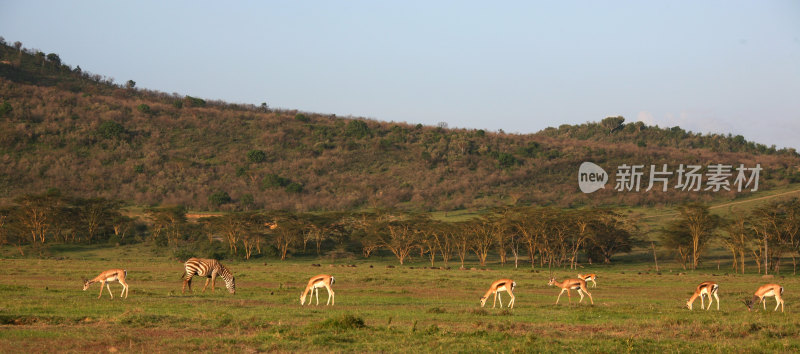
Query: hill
(61, 127)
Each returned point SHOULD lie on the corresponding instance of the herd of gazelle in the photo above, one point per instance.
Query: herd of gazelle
(211, 268)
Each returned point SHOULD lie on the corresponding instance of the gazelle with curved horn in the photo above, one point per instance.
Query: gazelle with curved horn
(588, 277)
(314, 284)
(506, 285)
(106, 277)
(571, 284)
(766, 290)
(706, 288)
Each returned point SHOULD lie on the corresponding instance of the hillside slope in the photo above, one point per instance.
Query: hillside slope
(81, 133)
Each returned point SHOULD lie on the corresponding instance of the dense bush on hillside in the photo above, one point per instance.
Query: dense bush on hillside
(65, 128)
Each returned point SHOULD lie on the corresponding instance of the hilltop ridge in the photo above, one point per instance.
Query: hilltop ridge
(64, 128)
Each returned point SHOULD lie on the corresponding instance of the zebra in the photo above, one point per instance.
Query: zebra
(209, 268)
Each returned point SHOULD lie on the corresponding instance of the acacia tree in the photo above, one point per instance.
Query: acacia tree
(429, 237)
(701, 225)
(483, 237)
(97, 215)
(401, 239)
(528, 223)
(287, 232)
(765, 222)
(462, 241)
(443, 236)
(584, 221)
(675, 236)
(366, 228)
(36, 215)
(168, 222)
(612, 234)
(737, 238)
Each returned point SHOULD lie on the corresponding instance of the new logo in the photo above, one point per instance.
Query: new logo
(591, 177)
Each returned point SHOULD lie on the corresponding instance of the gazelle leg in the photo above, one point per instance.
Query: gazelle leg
(778, 303)
(511, 303)
(316, 291)
(703, 302)
(581, 294)
(331, 298)
(500, 298)
(559, 295)
(108, 286)
(569, 295)
(764, 303)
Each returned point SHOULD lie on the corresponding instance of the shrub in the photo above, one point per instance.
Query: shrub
(357, 128)
(144, 108)
(256, 156)
(301, 117)
(343, 322)
(195, 102)
(111, 129)
(294, 187)
(218, 198)
(5, 109)
(506, 160)
(274, 181)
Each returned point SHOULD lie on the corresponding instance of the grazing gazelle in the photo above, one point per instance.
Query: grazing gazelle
(571, 284)
(106, 277)
(314, 284)
(209, 268)
(588, 277)
(506, 285)
(766, 291)
(707, 288)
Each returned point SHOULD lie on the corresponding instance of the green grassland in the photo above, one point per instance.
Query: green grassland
(42, 308)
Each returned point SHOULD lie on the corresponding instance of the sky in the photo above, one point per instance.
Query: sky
(520, 66)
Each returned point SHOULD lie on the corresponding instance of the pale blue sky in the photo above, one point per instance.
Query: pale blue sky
(709, 66)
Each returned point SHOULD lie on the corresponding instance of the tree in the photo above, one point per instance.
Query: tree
(54, 58)
(701, 225)
(168, 222)
(36, 214)
(737, 238)
(401, 239)
(675, 236)
(612, 123)
(97, 215)
(483, 236)
(218, 198)
(612, 234)
(130, 84)
(287, 232)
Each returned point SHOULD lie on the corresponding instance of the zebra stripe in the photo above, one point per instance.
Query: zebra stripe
(209, 268)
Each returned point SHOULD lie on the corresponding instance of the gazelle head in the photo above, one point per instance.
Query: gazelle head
(85, 284)
(483, 300)
(689, 304)
(302, 299)
(749, 303)
(552, 281)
